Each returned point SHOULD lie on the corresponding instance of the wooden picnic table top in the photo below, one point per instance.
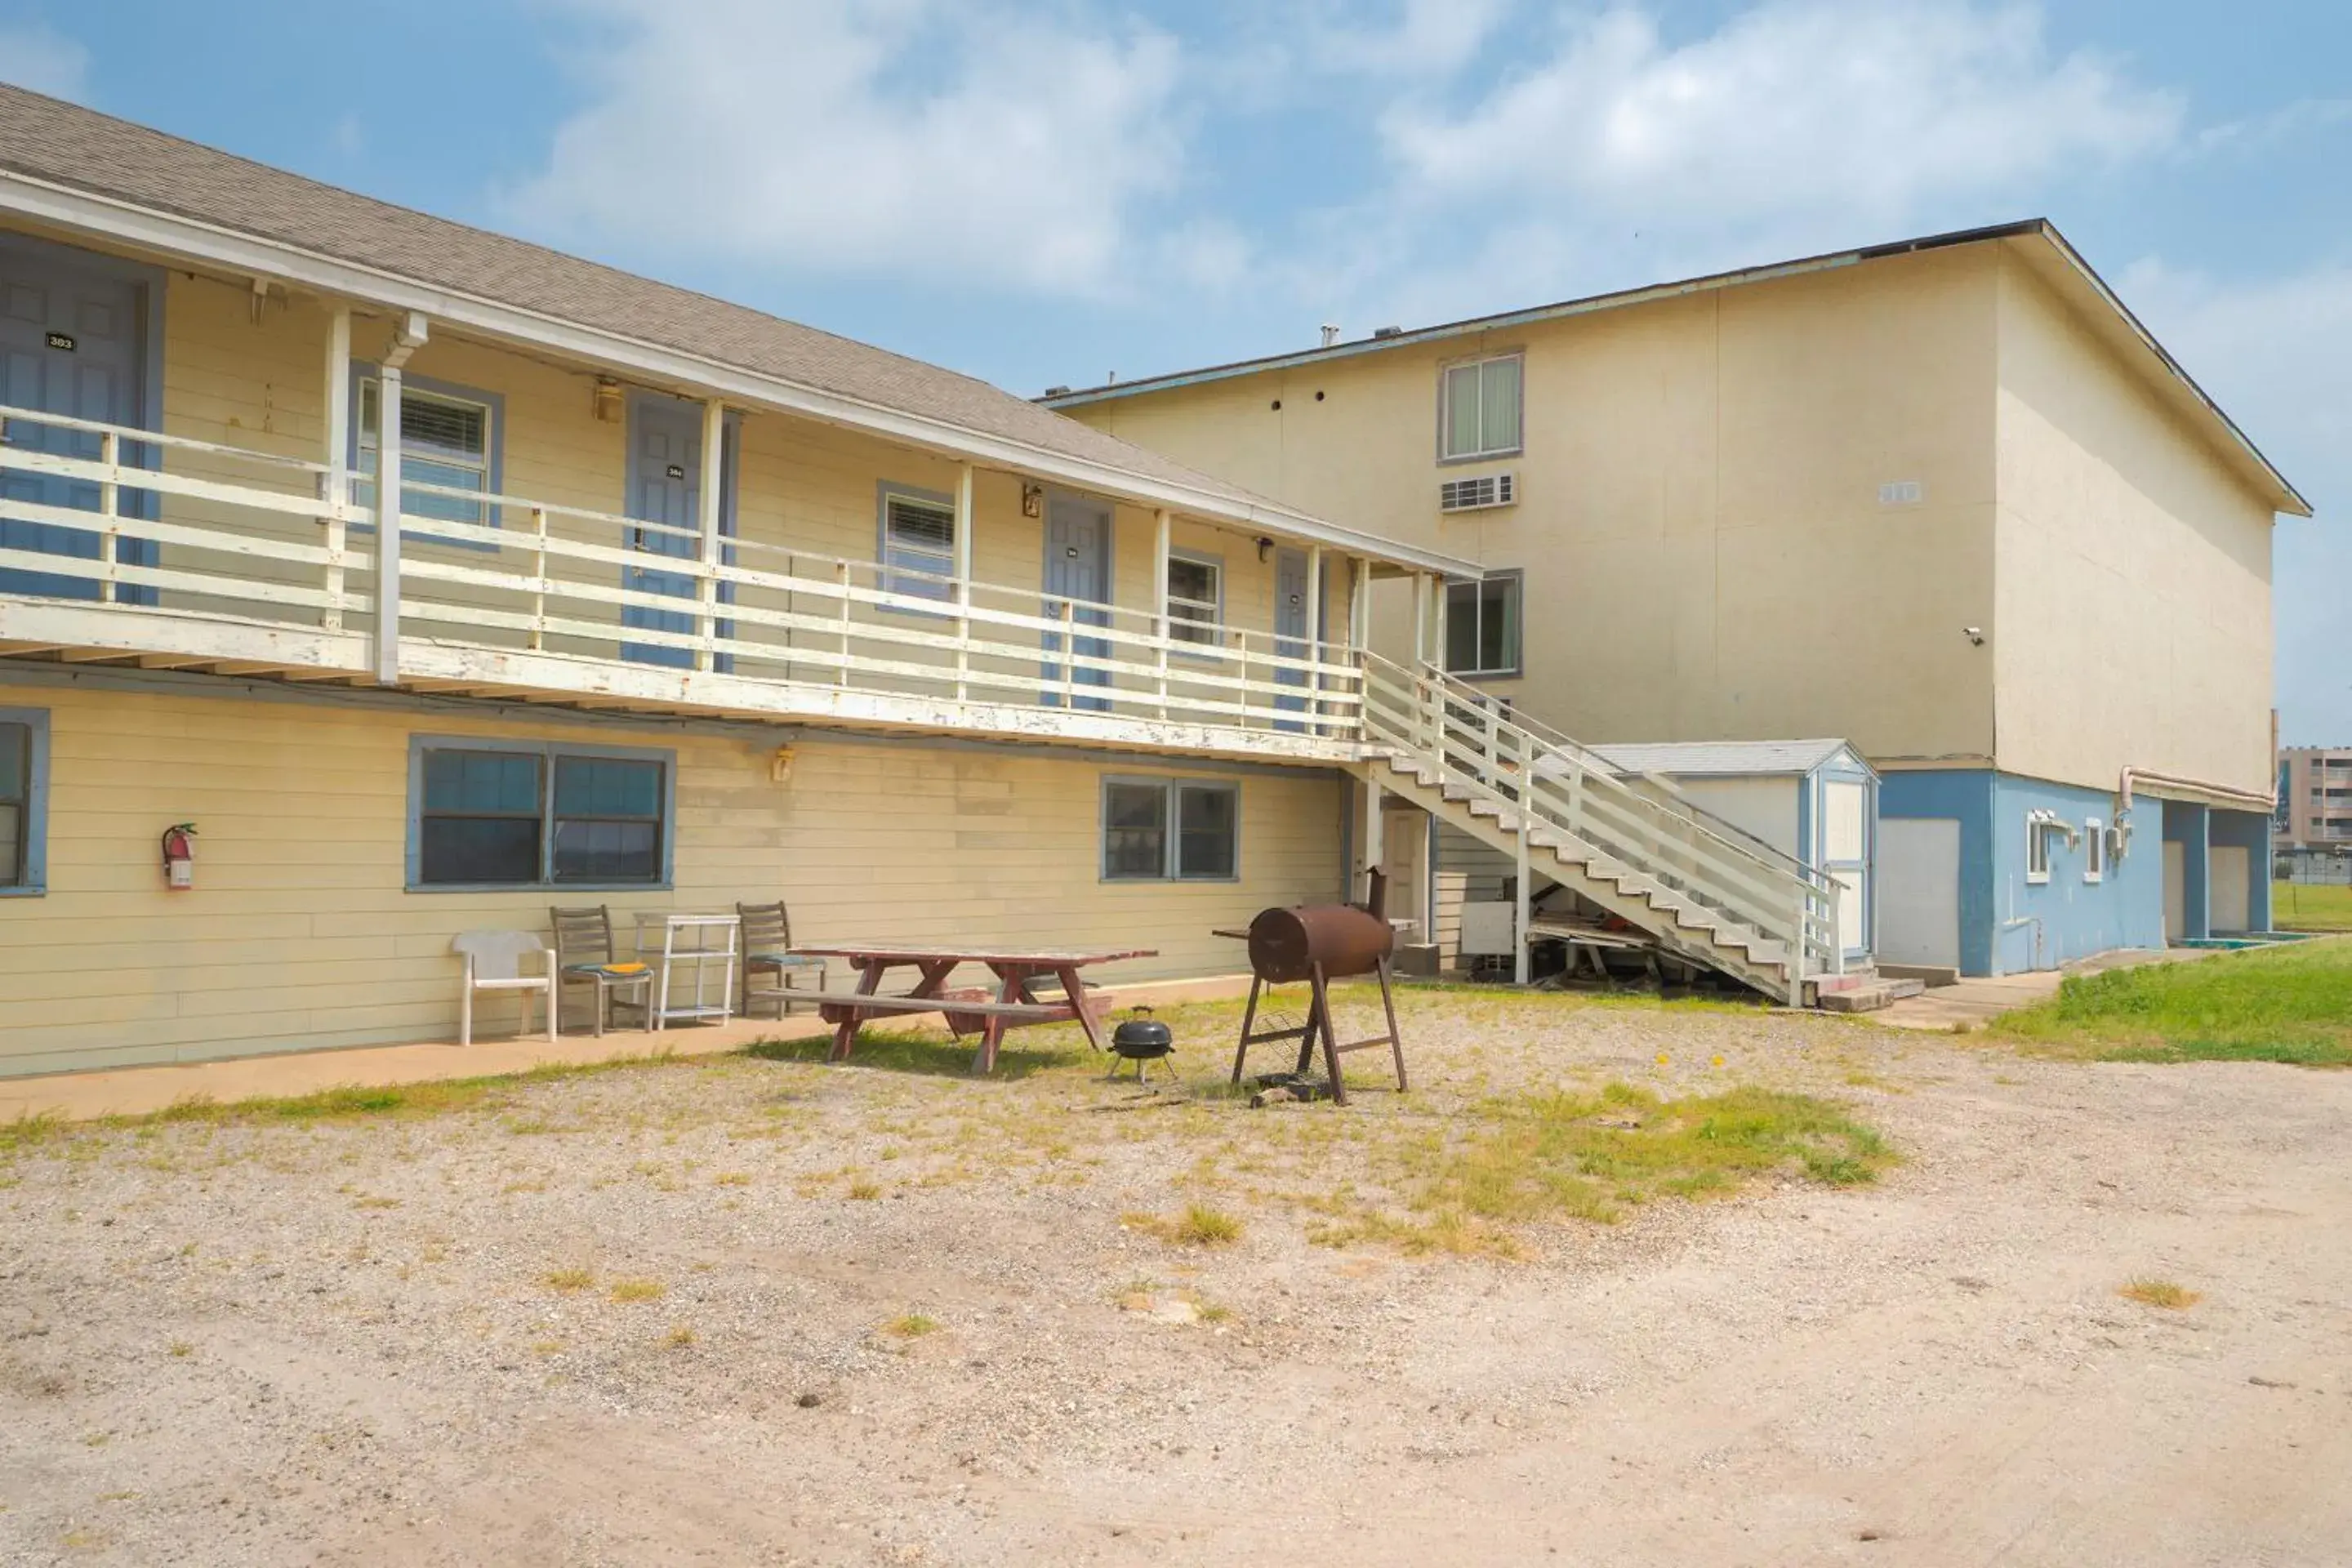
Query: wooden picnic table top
(1042, 958)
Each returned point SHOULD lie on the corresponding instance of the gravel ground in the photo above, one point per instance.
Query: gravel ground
(407, 1338)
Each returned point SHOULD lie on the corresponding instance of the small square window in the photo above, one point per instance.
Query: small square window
(1171, 830)
(1196, 598)
(2038, 829)
(446, 441)
(22, 737)
(2094, 853)
(1482, 625)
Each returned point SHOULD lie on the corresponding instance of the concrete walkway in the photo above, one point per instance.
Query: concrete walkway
(139, 1092)
(1976, 1001)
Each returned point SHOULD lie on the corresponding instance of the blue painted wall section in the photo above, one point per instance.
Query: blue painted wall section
(2040, 925)
(2250, 830)
(1964, 794)
(2189, 826)
(2009, 924)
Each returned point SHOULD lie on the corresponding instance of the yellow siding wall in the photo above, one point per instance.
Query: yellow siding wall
(1706, 551)
(2134, 603)
(298, 933)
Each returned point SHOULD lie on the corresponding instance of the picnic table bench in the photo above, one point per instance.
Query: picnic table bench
(967, 1011)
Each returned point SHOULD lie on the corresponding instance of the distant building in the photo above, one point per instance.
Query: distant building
(2314, 808)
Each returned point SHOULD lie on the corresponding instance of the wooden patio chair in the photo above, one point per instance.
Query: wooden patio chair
(767, 952)
(494, 962)
(583, 952)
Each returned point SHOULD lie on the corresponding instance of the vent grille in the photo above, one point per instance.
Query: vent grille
(1477, 495)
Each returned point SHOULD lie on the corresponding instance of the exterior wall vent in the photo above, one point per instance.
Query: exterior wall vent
(1486, 491)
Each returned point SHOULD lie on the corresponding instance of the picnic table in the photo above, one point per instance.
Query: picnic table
(968, 1012)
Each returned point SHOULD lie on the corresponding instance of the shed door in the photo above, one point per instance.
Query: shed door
(71, 342)
(1919, 890)
(1845, 855)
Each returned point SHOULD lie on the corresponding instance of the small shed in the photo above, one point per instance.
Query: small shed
(1816, 800)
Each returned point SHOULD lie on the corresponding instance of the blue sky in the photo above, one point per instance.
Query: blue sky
(1052, 192)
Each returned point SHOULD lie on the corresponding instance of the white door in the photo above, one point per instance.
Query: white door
(1845, 855)
(2175, 889)
(1404, 834)
(2231, 886)
(1919, 890)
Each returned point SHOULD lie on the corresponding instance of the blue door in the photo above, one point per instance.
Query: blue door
(72, 342)
(1293, 628)
(665, 481)
(1078, 573)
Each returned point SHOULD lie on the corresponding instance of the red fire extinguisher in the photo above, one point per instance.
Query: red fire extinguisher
(180, 856)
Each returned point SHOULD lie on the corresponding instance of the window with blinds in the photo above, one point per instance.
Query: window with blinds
(1479, 408)
(1196, 598)
(918, 543)
(444, 442)
(538, 815)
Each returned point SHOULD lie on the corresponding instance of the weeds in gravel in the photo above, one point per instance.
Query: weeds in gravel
(568, 1279)
(911, 1326)
(182, 1348)
(679, 1337)
(1198, 1226)
(936, 1056)
(2162, 1293)
(1542, 1157)
(632, 1291)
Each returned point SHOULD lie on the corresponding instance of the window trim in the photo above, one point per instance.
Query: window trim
(2038, 859)
(1518, 666)
(1486, 454)
(1217, 563)
(549, 751)
(883, 490)
(2094, 849)
(365, 371)
(1171, 785)
(36, 801)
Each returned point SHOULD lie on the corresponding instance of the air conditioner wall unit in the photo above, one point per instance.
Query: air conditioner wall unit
(1480, 494)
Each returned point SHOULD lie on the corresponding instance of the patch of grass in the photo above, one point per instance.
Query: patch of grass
(30, 1131)
(568, 1279)
(2162, 1293)
(679, 1337)
(2291, 1004)
(1197, 1226)
(182, 1348)
(1559, 1156)
(732, 1179)
(2297, 906)
(911, 1326)
(375, 1202)
(630, 1290)
(865, 1189)
(931, 1055)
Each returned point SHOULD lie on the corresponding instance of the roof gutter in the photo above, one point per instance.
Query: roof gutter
(245, 253)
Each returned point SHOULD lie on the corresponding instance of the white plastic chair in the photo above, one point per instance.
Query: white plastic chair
(494, 962)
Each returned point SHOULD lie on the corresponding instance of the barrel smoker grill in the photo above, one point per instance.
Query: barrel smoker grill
(1318, 943)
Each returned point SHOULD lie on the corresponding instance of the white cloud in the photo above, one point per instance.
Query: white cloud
(32, 56)
(1861, 109)
(960, 141)
(1425, 37)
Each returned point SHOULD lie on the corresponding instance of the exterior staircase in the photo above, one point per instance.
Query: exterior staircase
(1706, 891)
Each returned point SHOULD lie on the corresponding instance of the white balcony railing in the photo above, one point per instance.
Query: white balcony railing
(190, 547)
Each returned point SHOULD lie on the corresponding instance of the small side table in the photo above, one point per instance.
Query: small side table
(690, 946)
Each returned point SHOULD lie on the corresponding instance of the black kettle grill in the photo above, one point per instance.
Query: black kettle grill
(1141, 1039)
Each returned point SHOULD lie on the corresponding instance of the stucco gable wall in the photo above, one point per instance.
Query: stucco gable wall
(2134, 604)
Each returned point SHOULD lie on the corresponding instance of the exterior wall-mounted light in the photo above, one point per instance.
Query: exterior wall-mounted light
(1032, 501)
(608, 400)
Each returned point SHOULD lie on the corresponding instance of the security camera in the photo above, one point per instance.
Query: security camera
(1975, 636)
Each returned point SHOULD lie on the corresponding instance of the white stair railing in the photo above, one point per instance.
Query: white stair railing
(1757, 895)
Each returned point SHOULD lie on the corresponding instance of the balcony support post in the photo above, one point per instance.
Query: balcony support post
(1371, 841)
(964, 548)
(408, 336)
(110, 506)
(705, 585)
(1163, 623)
(1420, 617)
(336, 482)
(1315, 629)
(1522, 953)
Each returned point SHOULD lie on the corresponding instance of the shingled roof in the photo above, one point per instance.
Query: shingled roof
(65, 146)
